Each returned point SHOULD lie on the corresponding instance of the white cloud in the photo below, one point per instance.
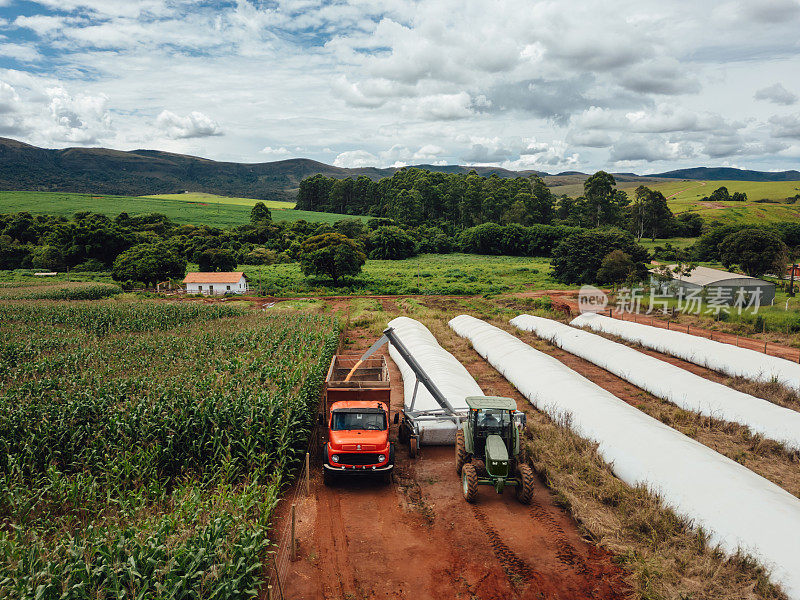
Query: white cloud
(193, 125)
(786, 126)
(442, 107)
(776, 94)
(81, 119)
(355, 158)
(632, 149)
(275, 153)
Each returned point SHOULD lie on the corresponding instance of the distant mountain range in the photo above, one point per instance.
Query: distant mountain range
(142, 172)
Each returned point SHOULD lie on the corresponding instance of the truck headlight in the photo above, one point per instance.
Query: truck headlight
(381, 458)
(335, 458)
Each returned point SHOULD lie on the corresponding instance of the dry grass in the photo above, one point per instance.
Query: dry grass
(766, 457)
(772, 391)
(667, 559)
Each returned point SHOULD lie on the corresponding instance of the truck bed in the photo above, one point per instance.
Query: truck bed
(370, 382)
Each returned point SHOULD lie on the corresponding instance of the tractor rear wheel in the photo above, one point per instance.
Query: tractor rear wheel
(525, 486)
(469, 483)
(461, 452)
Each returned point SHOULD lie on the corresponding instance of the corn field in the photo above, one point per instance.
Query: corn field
(143, 446)
(59, 291)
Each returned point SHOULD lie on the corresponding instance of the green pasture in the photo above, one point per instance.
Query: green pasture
(194, 209)
(687, 196)
(447, 274)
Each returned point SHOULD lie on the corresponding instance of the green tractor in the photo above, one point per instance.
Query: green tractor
(487, 448)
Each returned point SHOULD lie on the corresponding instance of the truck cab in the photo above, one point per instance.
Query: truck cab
(358, 439)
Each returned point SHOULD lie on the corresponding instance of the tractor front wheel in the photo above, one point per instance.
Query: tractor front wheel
(469, 483)
(413, 447)
(525, 486)
(461, 452)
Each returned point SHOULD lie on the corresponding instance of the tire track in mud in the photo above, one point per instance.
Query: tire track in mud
(517, 570)
(565, 552)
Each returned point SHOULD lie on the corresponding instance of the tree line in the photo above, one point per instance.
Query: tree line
(413, 196)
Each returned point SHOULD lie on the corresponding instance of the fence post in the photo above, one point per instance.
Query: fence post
(765, 347)
(293, 546)
(269, 592)
(308, 477)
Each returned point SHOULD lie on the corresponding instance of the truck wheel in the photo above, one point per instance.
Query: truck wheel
(525, 487)
(469, 483)
(461, 451)
(387, 476)
(413, 447)
(328, 477)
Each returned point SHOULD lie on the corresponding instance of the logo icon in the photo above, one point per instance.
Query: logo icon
(358, 447)
(591, 299)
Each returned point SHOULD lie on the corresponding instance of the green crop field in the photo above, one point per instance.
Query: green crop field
(145, 444)
(457, 274)
(195, 209)
(687, 195)
(213, 198)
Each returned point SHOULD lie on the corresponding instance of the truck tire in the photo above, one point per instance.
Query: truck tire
(461, 452)
(469, 483)
(387, 476)
(525, 487)
(328, 477)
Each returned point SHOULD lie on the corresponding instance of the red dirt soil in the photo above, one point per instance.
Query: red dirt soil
(417, 538)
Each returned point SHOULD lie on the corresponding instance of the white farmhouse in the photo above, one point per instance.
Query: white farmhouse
(216, 284)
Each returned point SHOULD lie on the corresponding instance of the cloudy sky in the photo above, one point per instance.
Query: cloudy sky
(643, 86)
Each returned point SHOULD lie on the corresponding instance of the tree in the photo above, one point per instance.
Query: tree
(260, 213)
(755, 251)
(578, 258)
(331, 254)
(149, 264)
(260, 256)
(615, 268)
(689, 224)
(13, 255)
(739, 197)
(352, 228)
(391, 243)
(599, 192)
(216, 259)
(721, 194)
(48, 257)
(650, 214)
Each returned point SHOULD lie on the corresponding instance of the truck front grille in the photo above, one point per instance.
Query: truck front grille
(365, 458)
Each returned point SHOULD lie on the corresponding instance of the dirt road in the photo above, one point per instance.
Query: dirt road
(416, 538)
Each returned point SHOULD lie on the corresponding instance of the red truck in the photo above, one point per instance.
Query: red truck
(356, 412)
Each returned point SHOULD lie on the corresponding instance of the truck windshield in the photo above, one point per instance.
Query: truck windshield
(355, 420)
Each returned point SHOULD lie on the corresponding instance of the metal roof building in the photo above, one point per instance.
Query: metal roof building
(722, 286)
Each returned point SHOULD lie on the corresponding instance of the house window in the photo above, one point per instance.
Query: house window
(211, 288)
(199, 288)
(227, 287)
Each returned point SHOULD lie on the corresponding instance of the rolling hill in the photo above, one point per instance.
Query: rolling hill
(147, 172)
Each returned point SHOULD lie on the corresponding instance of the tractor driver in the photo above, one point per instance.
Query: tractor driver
(489, 422)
